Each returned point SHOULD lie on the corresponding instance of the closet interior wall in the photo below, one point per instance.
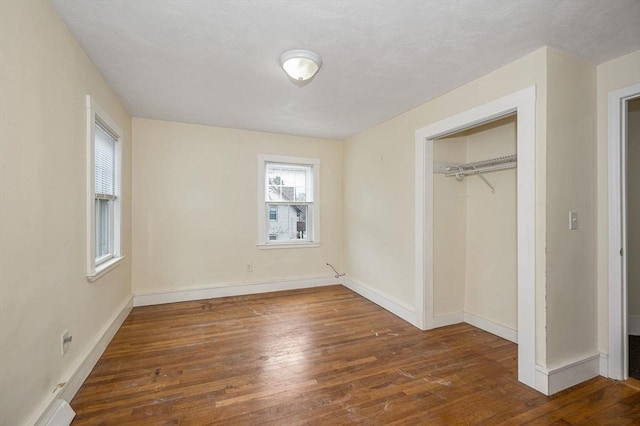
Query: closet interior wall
(475, 229)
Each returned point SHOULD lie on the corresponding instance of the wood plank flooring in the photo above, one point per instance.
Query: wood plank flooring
(322, 356)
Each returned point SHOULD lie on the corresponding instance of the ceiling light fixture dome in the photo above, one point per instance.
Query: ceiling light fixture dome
(300, 64)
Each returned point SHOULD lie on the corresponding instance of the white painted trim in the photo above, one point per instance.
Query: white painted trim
(570, 374)
(396, 307)
(79, 370)
(633, 325)
(604, 364)
(287, 246)
(618, 355)
(229, 289)
(448, 319)
(103, 268)
(523, 103)
(476, 321)
(492, 327)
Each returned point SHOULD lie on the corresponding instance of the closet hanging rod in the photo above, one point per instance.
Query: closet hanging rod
(478, 170)
(476, 167)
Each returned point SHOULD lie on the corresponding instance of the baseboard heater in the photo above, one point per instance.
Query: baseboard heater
(59, 413)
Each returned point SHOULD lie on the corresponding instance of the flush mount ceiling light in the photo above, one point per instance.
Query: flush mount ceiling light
(300, 65)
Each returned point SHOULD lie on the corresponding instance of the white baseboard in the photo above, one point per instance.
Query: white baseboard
(492, 327)
(561, 378)
(79, 371)
(395, 307)
(227, 290)
(604, 364)
(448, 319)
(476, 321)
(633, 325)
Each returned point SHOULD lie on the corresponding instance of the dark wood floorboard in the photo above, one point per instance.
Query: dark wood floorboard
(322, 356)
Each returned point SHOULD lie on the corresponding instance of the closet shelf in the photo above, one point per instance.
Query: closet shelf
(476, 168)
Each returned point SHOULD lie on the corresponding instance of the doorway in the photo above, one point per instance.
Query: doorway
(633, 236)
(474, 228)
(624, 230)
(521, 103)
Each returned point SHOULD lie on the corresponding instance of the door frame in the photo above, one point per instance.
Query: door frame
(523, 104)
(617, 152)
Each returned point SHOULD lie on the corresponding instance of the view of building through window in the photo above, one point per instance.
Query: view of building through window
(288, 196)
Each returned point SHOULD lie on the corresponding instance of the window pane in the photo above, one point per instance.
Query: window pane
(287, 182)
(273, 213)
(103, 228)
(291, 222)
(104, 158)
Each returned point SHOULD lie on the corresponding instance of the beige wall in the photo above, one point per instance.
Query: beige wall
(449, 229)
(195, 207)
(571, 186)
(44, 78)
(615, 74)
(379, 248)
(566, 317)
(633, 206)
(491, 252)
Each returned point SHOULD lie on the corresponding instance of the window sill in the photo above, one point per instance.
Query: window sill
(103, 268)
(287, 245)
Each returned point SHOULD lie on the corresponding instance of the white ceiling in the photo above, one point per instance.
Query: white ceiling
(216, 62)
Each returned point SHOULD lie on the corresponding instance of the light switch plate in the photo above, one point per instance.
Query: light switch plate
(573, 221)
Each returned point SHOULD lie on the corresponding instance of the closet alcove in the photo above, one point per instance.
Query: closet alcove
(475, 271)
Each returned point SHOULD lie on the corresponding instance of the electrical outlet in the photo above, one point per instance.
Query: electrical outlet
(249, 267)
(65, 340)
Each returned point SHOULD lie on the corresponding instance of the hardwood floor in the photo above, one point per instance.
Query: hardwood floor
(323, 356)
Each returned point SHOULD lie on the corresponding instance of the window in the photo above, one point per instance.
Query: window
(103, 192)
(288, 203)
(273, 214)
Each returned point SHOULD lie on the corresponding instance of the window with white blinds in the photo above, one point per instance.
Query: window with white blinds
(105, 163)
(103, 191)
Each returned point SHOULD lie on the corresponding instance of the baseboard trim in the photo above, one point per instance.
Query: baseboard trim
(231, 289)
(80, 370)
(448, 319)
(395, 307)
(492, 327)
(550, 381)
(476, 321)
(604, 364)
(633, 325)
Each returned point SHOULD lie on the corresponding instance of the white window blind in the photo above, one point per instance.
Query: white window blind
(105, 154)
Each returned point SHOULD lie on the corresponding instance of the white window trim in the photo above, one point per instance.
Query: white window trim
(263, 213)
(96, 270)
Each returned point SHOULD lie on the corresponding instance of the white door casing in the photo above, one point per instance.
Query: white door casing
(617, 153)
(521, 103)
